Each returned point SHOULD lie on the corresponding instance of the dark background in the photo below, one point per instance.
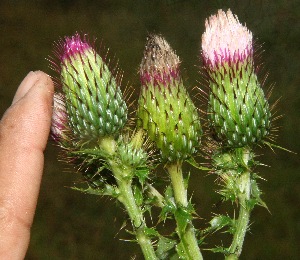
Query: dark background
(70, 225)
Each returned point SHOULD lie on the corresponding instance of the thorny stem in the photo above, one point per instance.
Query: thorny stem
(236, 246)
(187, 236)
(123, 176)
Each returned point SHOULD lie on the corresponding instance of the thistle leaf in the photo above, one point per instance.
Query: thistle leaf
(193, 162)
(109, 190)
(166, 248)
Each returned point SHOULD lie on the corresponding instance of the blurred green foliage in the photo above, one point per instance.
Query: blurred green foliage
(69, 225)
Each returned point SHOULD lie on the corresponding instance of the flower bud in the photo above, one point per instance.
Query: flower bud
(93, 98)
(238, 112)
(59, 117)
(129, 154)
(165, 109)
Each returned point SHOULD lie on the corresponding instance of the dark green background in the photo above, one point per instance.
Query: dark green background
(69, 225)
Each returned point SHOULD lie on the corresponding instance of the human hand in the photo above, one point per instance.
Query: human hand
(24, 131)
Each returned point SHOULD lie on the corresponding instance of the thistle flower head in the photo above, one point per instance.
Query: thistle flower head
(165, 109)
(225, 40)
(238, 112)
(93, 99)
(160, 64)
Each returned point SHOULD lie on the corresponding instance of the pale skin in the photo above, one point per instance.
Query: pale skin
(24, 131)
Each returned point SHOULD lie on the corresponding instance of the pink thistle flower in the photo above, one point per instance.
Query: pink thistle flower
(91, 91)
(73, 46)
(225, 40)
(238, 112)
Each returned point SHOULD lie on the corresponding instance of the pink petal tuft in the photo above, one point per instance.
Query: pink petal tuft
(73, 45)
(225, 40)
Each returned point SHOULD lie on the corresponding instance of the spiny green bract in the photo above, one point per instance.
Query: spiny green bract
(130, 155)
(238, 111)
(171, 120)
(230, 165)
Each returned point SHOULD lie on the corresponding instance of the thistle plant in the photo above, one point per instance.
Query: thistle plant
(171, 121)
(116, 159)
(89, 114)
(238, 116)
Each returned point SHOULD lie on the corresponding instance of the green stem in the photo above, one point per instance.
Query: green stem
(187, 235)
(242, 223)
(123, 176)
(124, 181)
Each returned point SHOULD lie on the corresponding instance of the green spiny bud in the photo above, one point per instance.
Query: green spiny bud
(238, 112)
(165, 109)
(131, 154)
(93, 99)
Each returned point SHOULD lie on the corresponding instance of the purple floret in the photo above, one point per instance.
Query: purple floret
(73, 45)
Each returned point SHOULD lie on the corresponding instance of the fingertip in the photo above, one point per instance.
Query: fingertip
(33, 79)
(44, 84)
(31, 110)
(24, 86)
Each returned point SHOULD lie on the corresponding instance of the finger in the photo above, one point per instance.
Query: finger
(25, 85)
(24, 131)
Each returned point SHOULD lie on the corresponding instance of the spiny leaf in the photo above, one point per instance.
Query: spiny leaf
(142, 174)
(151, 232)
(108, 190)
(96, 152)
(220, 249)
(192, 162)
(256, 193)
(138, 195)
(219, 222)
(166, 248)
(183, 217)
(169, 192)
(168, 210)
